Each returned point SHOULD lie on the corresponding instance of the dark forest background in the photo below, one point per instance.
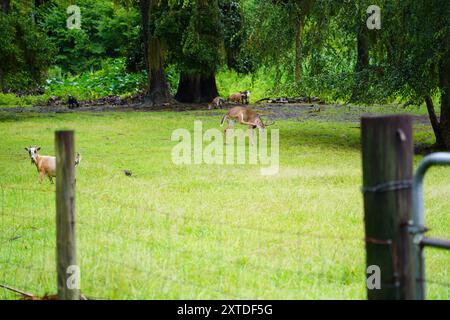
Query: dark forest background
(194, 50)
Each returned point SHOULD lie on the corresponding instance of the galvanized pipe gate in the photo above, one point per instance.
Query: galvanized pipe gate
(394, 207)
(417, 229)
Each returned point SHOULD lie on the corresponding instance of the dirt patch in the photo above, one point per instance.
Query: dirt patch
(334, 113)
(295, 112)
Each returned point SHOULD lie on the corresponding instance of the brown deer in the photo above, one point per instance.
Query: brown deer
(245, 116)
(216, 103)
(240, 97)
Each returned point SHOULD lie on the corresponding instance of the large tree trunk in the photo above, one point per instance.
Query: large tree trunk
(434, 121)
(444, 77)
(298, 48)
(196, 88)
(362, 62)
(158, 88)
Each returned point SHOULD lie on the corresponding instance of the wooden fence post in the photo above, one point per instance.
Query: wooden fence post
(387, 155)
(67, 268)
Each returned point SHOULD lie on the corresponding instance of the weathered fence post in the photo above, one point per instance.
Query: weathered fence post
(67, 269)
(387, 154)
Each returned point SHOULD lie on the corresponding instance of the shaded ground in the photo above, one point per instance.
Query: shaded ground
(348, 113)
(298, 112)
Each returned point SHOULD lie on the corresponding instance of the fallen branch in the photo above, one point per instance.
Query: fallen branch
(291, 100)
(30, 296)
(23, 293)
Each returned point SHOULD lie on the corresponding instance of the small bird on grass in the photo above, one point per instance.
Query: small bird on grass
(128, 173)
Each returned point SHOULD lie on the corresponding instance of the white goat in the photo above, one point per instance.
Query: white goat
(46, 165)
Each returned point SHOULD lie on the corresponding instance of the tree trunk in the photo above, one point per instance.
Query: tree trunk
(298, 49)
(1, 80)
(6, 6)
(208, 87)
(444, 77)
(144, 8)
(196, 88)
(362, 62)
(434, 121)
(158, 88)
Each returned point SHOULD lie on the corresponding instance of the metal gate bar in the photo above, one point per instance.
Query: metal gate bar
(417, 227)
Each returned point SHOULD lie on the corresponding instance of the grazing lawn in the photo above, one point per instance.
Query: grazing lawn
(198, 231)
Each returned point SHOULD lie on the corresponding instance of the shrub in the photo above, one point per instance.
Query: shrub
(25, 53)
(111, 79)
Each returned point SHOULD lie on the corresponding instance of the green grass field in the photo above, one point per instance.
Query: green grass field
(198, 231)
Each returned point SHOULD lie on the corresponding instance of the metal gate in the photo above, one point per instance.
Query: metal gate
(417, 230)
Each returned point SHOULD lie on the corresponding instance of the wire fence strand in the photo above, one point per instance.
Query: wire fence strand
(172, 247)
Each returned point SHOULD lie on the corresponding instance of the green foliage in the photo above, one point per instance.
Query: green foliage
(106, 30)
(234, 37)
(255, 38)
(111, 79)
(25, 53)
(193, 34)
(270, 35)
(229, 82)
(173, 75)
(425, 31)
(12, 100)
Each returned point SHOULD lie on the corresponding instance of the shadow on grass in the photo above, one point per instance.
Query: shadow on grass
(306, 133)
(6, 116)
(326, 135)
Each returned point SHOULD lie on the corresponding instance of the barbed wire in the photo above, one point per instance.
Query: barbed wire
(183, 218)
(223, 224)
(147, 209)
(202, 253)
(167, 278)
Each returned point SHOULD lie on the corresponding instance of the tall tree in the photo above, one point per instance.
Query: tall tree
(444, 83)
(278, 30)
(158, 88)
(421, 57)
(200, 52)
(25, 51)
(302, 9)
(362, 54)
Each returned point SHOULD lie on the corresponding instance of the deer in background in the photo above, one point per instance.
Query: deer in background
(245, 116)
(240, 97)
(216, 103)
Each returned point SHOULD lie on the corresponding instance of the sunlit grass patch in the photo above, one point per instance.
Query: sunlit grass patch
(198, 231)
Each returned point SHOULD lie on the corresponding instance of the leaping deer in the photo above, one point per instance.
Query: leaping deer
(245, 116)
